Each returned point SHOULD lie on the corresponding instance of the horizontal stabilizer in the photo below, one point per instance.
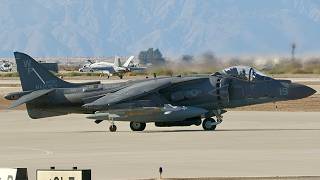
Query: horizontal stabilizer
(30, 97)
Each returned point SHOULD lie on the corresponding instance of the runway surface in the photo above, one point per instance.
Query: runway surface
(245, 144)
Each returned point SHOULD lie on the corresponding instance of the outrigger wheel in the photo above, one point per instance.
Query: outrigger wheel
(137, 126)
(209, 124)
(113, 128)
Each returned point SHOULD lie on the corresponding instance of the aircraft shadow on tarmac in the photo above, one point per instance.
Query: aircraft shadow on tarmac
(147, 131)
(200, 130)
(222, 130)
(306, 129)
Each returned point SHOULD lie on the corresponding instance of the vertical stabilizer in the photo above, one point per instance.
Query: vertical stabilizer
(34, 76)
(129, 60)
(117, 62)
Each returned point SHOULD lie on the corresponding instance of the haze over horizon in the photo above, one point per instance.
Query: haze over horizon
(176, 27)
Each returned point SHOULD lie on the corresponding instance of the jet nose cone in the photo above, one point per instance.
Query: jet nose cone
(298, 91)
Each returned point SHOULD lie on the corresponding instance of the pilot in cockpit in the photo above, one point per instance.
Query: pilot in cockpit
(245, 73)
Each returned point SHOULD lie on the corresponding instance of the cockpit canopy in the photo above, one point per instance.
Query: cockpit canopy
(245, 73)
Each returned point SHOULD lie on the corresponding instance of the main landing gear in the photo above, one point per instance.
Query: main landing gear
(137, 126)
(210, 124)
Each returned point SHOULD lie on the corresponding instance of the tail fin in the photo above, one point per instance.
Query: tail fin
(130, 59)
(89, 61)
(117, 62)
(34, 75)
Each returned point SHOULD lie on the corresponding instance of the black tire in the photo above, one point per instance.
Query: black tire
(137, 126)
(206, 124)
(113, 128)
(198, 123)
(121, 76)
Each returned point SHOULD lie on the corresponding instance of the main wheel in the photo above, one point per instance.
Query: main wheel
(198, 122)
(207, 124)
(113, 128)
(137, 126)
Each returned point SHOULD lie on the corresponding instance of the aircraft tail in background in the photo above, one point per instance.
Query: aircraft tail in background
(129, 60)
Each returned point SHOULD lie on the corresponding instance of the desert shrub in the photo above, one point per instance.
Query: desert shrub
(9, 74)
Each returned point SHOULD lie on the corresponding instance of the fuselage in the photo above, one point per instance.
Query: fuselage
(208, 92)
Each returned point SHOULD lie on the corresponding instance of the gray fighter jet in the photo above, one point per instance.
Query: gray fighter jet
(167, 101)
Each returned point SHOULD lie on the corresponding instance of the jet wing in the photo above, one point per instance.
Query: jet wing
(30, 97)
(130, 92)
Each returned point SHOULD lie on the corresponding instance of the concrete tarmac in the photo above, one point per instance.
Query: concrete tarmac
(245, 144)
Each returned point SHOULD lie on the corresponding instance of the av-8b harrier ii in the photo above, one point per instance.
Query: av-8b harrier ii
(167, 101)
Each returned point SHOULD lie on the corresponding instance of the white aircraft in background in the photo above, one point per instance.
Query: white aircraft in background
(107, 68)
(5, 66)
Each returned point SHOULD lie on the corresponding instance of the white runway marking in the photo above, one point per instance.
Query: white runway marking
(43, 151)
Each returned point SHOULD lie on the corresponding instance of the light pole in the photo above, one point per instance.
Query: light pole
(293, 48)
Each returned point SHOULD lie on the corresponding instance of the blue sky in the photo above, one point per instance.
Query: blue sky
(176, 27)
